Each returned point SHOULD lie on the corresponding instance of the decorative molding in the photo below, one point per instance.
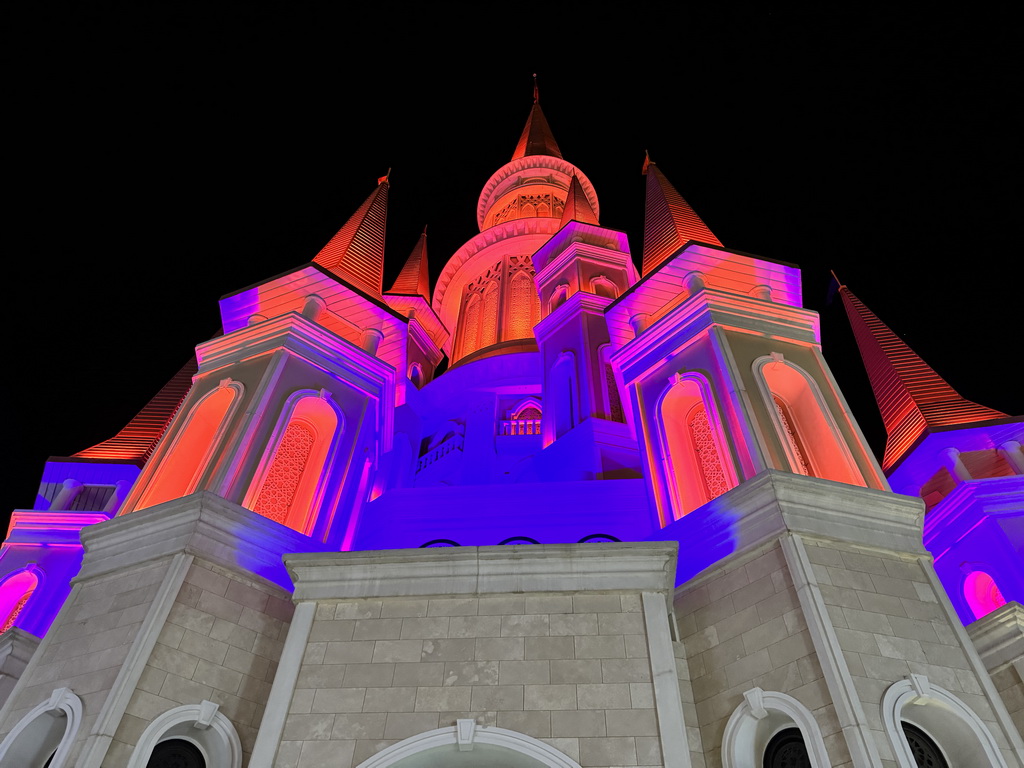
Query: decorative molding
(745, 736)
(483, 736)
(675, 750)
(22, 744)
(639, 566)
(201, 724)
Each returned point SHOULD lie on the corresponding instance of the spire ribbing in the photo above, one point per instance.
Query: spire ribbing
(669, 221)
(911, 396)
(414, 279)
(356, 252)
(577, 206)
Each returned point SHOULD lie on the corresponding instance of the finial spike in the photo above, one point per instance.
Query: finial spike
(536, 92)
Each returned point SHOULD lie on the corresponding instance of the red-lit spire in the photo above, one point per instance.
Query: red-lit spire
(356, 252)
(911, 396)
(414, 279)
(136, 441)
(537, 138)
(669, 221)
(577, 206)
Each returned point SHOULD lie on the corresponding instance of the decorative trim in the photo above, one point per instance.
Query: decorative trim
(482, 735)
(200, 724)
(675, 750)
(849, 710)
(62, 702)
(283, 688)
(948, 721)
(741, 746)
(102, 732)
(632, 566)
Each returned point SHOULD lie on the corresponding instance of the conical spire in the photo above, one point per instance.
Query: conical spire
(577, 206)
(356, 252)
(414, 279)
(669, 221)
(537, 138)
(911, 396)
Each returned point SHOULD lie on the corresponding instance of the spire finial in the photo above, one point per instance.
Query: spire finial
(536, 92)
(385, 177)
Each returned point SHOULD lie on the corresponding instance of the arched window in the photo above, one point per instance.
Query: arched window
(609, 387)
(809, 435)
(292, 485)
(416, 375)
(524, 419)
(179, 469)
(924, 720)
(489, 320)
(602, 286)
(564, 399)
(190, 736)
(982, 593)
(466, 744)
(558, 297)
(44, 736)
(15, 592)
(773, 730)
(471, 324)
(694, 448)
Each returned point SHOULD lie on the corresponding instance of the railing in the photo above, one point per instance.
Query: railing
(520, 427)
(453, 443)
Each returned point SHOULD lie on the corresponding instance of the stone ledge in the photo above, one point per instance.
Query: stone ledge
(775, 502)
(643, 566)
(999, 636)
(202, 524)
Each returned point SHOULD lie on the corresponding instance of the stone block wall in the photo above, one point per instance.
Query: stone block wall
(88, 644)
(221, 643)
(742, 627)
(571, 670)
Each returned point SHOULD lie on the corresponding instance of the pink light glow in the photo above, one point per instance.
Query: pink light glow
(14, 594)
(982, 593)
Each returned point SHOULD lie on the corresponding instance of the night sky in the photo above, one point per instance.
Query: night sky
(161, 157)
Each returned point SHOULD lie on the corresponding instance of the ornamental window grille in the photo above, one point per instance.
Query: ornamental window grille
(614, 401)
(176, 753)
(489, 321)
(708, 460)
(792, 436)
(926, 752)
(787, 750)
(13, 615)
(285, 474)
(523, 300)
(471, 323)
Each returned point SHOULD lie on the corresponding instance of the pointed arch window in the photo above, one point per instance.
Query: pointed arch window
(524, 419)
(610, 387)
(809, 435)
(489, 320)
(179, 470)
(15, 592)
(694, 449)
(293, 482)
(982, 593)
(564, 396)
(603, 286)
(471, 324)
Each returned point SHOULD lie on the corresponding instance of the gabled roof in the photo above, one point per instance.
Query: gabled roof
(911, 396)
(356, 252)
(136, 441)
(669, 221)
(414, 279)
(537, 138)
(577, 206)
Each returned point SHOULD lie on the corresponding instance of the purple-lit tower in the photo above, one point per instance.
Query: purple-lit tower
(631, 522)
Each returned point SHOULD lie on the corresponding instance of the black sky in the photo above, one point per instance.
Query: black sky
(160, 157)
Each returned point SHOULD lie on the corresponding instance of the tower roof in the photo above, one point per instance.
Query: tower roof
(136, 441)
(911, 396)
(577, 206)
(536, 138)
(669, 221)
(414, 279)
(356, 252)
